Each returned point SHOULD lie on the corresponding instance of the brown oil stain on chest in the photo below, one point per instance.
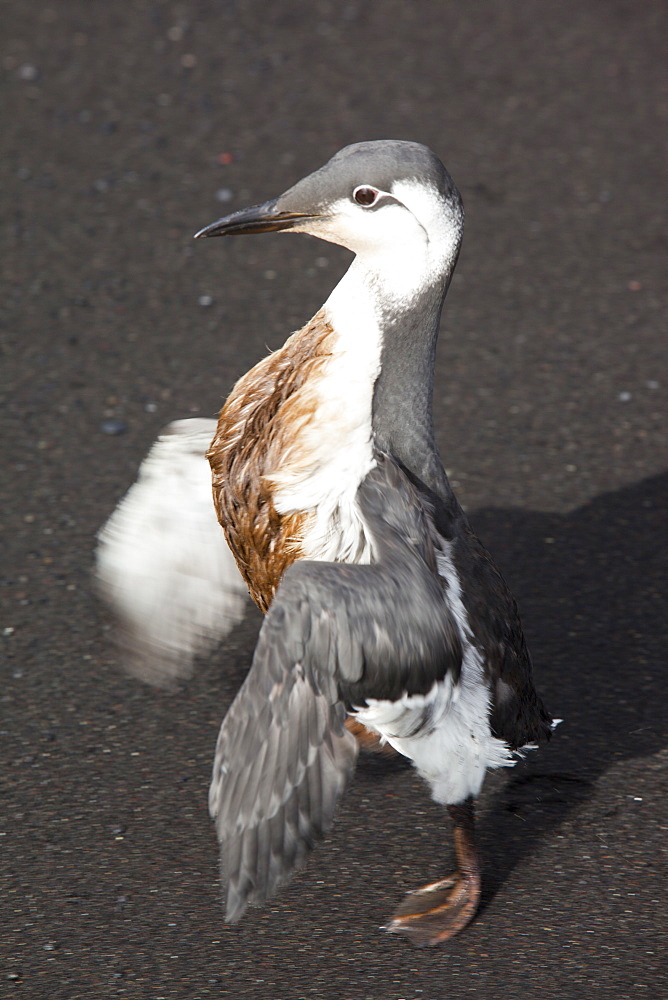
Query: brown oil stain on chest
(257, 434)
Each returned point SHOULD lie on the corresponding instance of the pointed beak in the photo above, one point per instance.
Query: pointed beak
(266, 218)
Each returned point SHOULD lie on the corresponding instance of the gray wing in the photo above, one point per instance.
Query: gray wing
(282, 759)
(334, 635)
(162, 561)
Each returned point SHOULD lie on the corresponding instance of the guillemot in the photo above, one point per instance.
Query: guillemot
(382, 606)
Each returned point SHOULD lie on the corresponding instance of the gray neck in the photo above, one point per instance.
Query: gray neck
(402, 419)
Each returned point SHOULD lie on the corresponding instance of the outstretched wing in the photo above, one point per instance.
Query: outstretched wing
(334, 635)
(163, 564)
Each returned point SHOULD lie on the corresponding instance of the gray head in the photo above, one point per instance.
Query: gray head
(372, 197)
(367, 173)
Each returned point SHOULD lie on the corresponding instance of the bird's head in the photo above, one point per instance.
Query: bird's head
(380, 198)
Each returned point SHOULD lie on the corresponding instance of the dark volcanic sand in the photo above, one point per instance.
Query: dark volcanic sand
(127, 127)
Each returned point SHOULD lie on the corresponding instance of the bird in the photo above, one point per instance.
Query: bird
(386, 622)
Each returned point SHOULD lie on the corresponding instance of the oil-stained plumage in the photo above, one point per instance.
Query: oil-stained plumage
(256, 431)
(384, 613)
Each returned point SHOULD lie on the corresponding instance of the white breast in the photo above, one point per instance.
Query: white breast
(334, 447)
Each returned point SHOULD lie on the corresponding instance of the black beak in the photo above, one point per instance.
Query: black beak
(266, 218)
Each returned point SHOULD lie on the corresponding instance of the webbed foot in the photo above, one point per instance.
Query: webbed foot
(437, 911)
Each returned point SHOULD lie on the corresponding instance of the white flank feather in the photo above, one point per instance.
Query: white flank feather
(455, 746)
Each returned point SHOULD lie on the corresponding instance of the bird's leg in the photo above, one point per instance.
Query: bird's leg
(439, 910)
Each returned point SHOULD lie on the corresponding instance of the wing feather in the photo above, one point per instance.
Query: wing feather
(276, 783)
(163, 564)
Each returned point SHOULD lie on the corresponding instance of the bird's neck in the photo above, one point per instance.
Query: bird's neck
(398, 327)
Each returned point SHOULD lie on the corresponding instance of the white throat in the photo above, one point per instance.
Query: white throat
(401, 250)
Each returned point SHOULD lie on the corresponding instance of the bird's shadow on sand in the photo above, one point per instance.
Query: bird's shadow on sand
(592, 593)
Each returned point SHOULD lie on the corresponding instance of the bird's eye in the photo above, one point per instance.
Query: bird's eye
(365, 195)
